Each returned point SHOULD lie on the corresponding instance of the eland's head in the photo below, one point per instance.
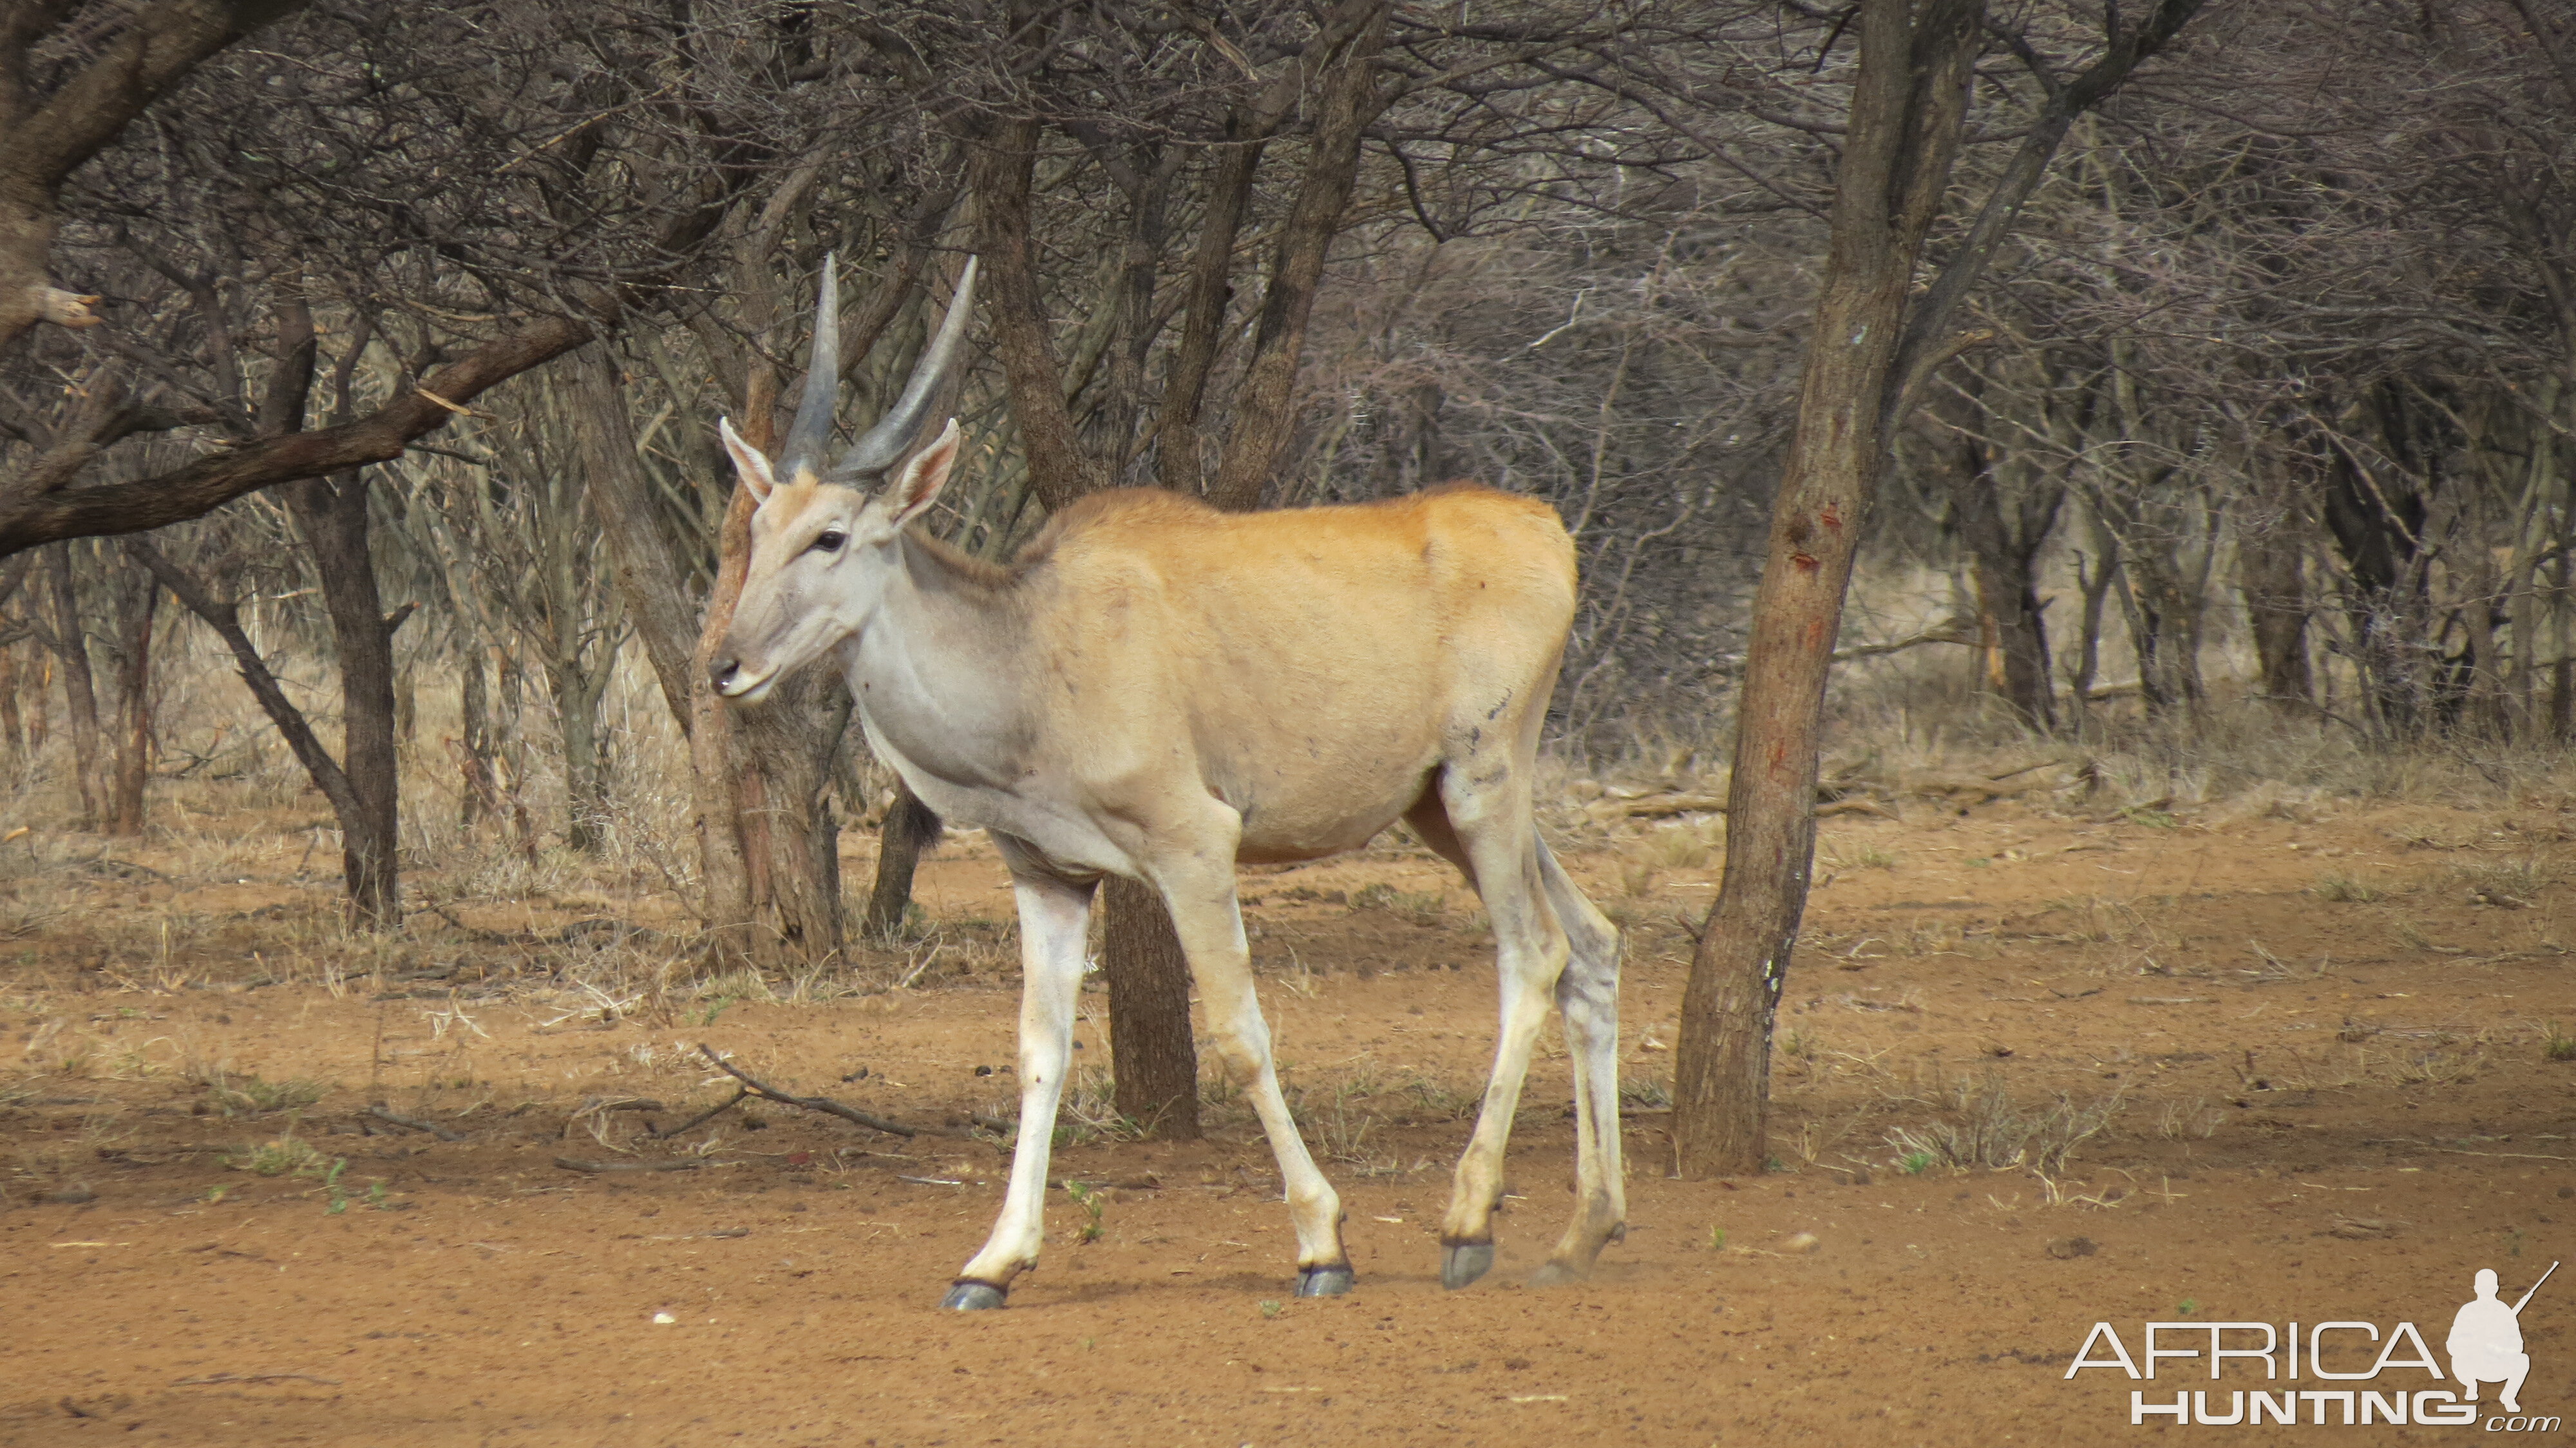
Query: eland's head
(823, 541)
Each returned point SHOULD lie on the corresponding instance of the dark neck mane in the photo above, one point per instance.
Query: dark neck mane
(931, 561)
(934, 563)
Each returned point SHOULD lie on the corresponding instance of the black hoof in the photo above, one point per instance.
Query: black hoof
(1324, 1281)
(973, 1297)
(1465, 1262)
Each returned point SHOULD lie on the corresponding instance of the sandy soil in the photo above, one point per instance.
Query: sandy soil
(2321, 1040)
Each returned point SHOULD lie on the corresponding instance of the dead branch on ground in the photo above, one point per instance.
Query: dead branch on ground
(824, 1104)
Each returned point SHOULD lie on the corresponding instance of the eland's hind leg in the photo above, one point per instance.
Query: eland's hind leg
(1486, 806)
(1588, 994)
(1054, 919)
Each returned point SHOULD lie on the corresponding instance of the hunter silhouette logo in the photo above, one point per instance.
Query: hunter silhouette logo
(2485, 1346)
(2486, 1342)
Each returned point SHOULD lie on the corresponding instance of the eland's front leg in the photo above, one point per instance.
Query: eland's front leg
(1054, 919)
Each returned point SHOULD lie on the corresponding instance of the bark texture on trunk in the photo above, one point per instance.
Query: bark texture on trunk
(2270, 560)
(13, 724)
(138, 598)
(224, 617)
(2004, 531)
(910, 828)
(1157, 1066)
(70, 642)
(761, 778)
(332, 514)
(1866, 363)
(651, 576)
(1906, 117)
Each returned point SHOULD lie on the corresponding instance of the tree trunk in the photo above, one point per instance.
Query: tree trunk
(1865, 364)
(652, 578)
(2003, 552)
(2166, 624)
(332, 514)
(510, 755)
(2378, 528)
(2096, 577)
(909, 829)
(225, 619)
(582, 632)
(40, 723)
(768, 841)
(2270, 563)
(789, 837)
(13, 724)
(80, 691)
(2562, 674)
(137, 600)
(1906, 114)
(1149, 989)
(480, 795)
(1154, 1056)
(585, 760)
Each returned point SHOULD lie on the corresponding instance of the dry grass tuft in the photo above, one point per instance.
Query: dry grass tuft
(1987, 1129)
(2556, 1044)
(2509, 883)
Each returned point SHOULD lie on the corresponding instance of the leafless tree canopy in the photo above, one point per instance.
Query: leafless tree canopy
(419, 319)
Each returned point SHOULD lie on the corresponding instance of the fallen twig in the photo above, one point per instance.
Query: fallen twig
(213, 1378)
(1946, 634)
(474, 932)
(1853, 804)
(689, 1163)
(110, 860)
(1665, 806)
(824, 1104)
(1661, 806)
(432, 1127)
(740, 1095)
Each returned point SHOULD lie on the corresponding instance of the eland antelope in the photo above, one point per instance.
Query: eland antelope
(1158, 690)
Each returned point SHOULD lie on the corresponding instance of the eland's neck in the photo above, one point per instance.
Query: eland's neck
(938, 671)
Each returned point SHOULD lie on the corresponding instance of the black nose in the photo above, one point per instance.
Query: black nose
(723, 671)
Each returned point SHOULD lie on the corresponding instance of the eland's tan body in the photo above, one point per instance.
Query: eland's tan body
(1157, 690)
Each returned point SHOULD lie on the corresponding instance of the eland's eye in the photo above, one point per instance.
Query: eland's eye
(830, 540)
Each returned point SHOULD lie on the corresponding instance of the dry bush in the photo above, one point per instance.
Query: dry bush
(1987, 1129)
(2343, 888)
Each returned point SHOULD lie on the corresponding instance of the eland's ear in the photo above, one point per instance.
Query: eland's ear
(748, 462)
(916, 485)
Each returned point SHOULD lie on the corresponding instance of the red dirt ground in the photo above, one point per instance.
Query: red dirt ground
(2328, 1108)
